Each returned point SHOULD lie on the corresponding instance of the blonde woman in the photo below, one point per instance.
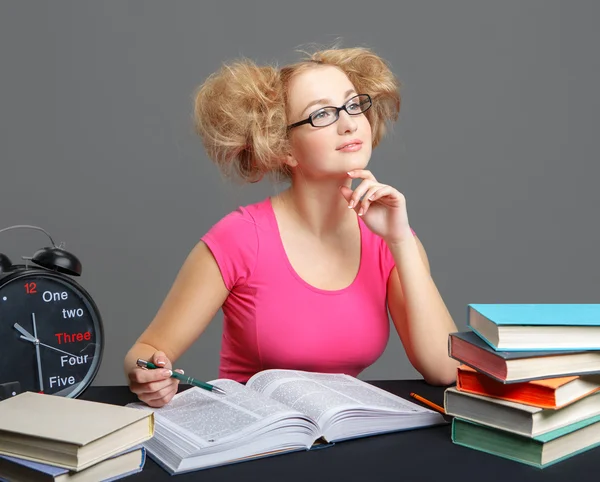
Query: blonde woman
(305, 278)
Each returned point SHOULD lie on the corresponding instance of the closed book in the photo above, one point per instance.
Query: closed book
(550, 393)
(13, 469)
(540, 451)
(518, 366)
(518, 417)
(69, 432)
(537, 326)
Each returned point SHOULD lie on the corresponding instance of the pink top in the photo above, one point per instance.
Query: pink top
(275, 319)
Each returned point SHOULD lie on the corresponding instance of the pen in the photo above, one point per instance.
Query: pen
(183, 378)
(435, 406)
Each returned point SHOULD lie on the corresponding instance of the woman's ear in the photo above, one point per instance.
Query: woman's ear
(289, 159)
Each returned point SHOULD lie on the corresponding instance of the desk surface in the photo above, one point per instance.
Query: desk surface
(419, 455)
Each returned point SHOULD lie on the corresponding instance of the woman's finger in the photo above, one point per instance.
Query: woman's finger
(160, 398)
(369, 197)
(359, 192)
(151, 387)
(161, 360)
(362, 174)
(143, 375)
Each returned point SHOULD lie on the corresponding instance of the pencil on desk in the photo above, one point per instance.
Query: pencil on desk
(435, 406)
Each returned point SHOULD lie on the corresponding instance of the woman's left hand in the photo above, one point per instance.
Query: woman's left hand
(382, 207)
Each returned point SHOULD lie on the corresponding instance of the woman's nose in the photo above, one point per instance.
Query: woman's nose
(346, 123)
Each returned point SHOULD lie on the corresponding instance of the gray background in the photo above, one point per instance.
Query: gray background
(495, 150)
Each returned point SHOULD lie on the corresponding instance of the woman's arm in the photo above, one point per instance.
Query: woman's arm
(196, 295)
(419, 313)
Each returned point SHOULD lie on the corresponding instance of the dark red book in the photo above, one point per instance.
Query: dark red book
(519, 366)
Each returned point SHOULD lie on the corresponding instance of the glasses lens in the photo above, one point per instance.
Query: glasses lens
(324, 117)
(358, 104)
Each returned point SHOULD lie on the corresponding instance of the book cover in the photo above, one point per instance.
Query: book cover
(519, 366)
(550, 393)
(516, 417)
(124, 464)
(540, 314)
(69, 432)
(535, 327)
(541, 451)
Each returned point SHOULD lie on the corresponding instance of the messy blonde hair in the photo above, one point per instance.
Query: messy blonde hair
(240, 110)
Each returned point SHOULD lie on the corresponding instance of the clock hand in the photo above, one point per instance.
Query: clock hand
(37, 352)
(57, 349)
(28, 337)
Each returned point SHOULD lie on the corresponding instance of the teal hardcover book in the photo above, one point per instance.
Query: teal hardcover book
(535, 327)
(540, 451)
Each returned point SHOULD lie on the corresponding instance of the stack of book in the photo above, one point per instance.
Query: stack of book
(528, 388)
(53, 438)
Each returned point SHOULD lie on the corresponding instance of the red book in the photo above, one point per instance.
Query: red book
(550, 393)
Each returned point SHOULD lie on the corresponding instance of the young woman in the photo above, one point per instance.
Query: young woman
(304, 278)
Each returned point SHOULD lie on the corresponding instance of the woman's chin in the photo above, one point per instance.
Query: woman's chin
(356, 164)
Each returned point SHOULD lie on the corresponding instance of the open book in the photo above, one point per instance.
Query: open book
(276, 411)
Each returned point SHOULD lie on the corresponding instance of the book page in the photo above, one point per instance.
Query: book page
(316, 394)
(209, 419)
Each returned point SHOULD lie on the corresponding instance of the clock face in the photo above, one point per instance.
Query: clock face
(50, 335)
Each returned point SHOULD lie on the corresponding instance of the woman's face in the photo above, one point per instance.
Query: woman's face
(325, 151)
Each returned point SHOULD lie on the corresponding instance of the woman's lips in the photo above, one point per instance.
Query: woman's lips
(351, 146)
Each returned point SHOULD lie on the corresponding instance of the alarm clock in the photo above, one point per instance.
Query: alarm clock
(51, 334)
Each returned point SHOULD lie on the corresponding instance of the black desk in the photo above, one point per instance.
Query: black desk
(418, 455)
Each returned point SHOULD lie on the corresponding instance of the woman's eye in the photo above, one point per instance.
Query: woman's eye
(322, 114)
(353, 106)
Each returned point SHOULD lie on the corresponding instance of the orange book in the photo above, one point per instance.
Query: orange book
(550, 393)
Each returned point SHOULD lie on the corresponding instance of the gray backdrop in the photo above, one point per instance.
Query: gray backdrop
(496, 148)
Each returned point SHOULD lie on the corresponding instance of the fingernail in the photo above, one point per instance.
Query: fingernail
(349, 173)
(370, 198)
(180, 371)
(351, 205)
(160, 362)
(361, 212)
(167, 373)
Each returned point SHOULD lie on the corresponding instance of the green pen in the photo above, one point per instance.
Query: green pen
(183, 378)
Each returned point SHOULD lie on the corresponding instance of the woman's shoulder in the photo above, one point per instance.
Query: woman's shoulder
(247, 214)
(234, 242)
(242, 223)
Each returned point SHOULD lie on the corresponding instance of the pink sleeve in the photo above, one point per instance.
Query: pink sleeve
(233, 242)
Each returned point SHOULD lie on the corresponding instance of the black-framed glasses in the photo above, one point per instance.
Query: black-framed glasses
(328, 115)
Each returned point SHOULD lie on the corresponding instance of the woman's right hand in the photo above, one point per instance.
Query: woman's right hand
(154, 387)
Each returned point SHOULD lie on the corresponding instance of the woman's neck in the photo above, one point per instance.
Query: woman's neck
(318, 207)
